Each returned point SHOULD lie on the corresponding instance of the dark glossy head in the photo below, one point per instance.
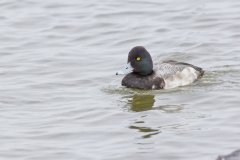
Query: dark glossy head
(140, 60)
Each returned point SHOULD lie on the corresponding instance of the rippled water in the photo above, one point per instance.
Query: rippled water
(60, 98)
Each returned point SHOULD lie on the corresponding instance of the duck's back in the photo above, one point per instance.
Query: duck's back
(177, 73)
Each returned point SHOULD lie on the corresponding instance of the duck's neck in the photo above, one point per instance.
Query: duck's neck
(147, 73)
(147, 69)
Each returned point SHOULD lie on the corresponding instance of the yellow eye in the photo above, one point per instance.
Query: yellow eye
(138, 58)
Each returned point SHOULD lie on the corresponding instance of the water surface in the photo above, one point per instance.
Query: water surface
(60, 98)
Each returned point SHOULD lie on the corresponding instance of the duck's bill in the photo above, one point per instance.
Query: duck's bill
(127, 69)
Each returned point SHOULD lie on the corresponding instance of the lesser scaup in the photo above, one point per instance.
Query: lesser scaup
(168, 74)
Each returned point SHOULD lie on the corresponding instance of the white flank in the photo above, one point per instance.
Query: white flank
(185, 77)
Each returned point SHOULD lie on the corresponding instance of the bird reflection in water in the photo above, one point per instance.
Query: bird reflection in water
(149, 132)
(145, 102)
(140, 103)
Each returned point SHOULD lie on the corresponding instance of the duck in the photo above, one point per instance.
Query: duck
(140, 73)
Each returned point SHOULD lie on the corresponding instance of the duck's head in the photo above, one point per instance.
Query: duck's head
(139, 62)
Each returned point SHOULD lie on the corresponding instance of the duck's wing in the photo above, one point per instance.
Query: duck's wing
(169, 68)
(177, 74)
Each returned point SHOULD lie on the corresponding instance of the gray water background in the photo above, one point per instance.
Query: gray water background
(60, 98)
